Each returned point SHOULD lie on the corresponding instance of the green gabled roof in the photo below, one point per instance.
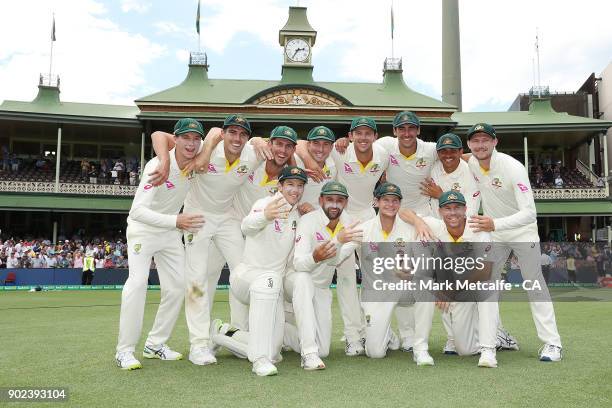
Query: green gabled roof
(540, 116)
(197, 88)
(47, 105)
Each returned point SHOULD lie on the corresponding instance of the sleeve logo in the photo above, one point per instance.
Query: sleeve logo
(523, 187)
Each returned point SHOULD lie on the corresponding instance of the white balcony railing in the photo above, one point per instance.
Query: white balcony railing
(66, 188)
(569, 193)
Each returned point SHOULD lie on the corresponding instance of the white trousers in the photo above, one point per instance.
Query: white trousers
(310, 317)
(202, 269)
(542, 310)
(258, 293)
(473, 325)
(169, 256)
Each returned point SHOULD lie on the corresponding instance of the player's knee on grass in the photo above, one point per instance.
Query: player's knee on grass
(375, 351)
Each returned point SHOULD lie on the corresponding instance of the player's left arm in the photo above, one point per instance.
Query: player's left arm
(523, 194)
(422, 229)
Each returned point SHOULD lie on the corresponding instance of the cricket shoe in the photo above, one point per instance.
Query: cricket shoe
(162, 352)
(126, 361)
(422, 358)
(354, 348)
(216, 328)
(505, 341)
(449, 347)
(263, 367)
(550, 352)
(311, 362)
(487, 358)
(394, 341)
(406, 345)
(201, 356)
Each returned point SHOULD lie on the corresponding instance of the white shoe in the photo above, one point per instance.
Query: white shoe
(311, 361)
(549, 352)
(162, 352)
(449, 347)
(126, 360)
(394, 341)
(422, 358)
(263, 367)
(354, 348)
(487, 358)
(406, 345)
(201, 356)
(505, 341)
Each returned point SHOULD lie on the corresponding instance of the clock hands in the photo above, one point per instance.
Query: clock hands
(298, 50)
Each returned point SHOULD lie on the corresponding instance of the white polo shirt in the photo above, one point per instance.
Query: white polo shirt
(214, 191)
(507, 197)
(268, 244)
(256, 187)
(312, 189)
(358, 179)
(154, 209)
(461, 180)
(409, 172)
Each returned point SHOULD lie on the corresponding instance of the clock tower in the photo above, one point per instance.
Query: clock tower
(297, 38)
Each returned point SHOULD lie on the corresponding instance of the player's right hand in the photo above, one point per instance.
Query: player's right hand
(277, 208)
(189, 222)
(350, 233)
(262, 148)
(443, 306)
(342, 144)
(324, 251)
(161, 172)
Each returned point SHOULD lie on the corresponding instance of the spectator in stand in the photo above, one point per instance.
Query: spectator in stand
(14, 163)
(99, 262)
(558, 181)
(41, 164)
(545, 261)
(600, 183)
(548, 175)
(12, 261)
(78, 260)
(3, 258)
(6, 158)
(85, 167)
(52, 260)
(93, 175)
(133, 178)
(119, 168)
(108, 262)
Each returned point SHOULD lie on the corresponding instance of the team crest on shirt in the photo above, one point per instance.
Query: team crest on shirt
(420, 163)
(327, 172)
(456, 187)
(294, 225)
(277, 227)
(169, 185)
(137, 248)
(399, 243)
(273, 190)
(242, 169)
(212, 168)
(319, 237)
(367, 319)
(496, 182)
(189, 238)
(375, 168)
(523, 187)
(393, 160)
(348, 169)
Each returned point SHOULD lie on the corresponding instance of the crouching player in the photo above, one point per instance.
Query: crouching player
(320, 234)
(473, 316)
(154, 231)
(257, 281)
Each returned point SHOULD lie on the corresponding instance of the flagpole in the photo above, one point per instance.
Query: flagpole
(198, 28)
(392, 29)
(51, 57)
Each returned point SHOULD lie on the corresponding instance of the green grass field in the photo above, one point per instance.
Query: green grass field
(67, 339)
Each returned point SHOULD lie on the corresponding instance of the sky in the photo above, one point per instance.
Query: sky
(115, 51)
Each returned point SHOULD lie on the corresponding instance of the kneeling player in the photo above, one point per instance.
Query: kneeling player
(320, 233)
(257, 281)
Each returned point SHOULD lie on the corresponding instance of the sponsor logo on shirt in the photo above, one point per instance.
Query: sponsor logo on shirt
(523, 187)
(251, 177)
(242, 169)
(211, 168)
(393, 160)
(477, 179)
(277, 227)
(420, 163)
(299, 237)
(476, 194)
(375, 168)
(373, 246)
(147, 187)
(169, 185)
(496, 182)
(348, 168)
(294, 225)
(319, 237)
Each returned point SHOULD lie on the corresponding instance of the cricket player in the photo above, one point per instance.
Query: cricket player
(154, 214)
(473, 324)
(320, 235)
(256, 283)
(388, 227)
(510, 216)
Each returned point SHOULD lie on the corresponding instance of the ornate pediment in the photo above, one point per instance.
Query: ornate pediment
(298, 97)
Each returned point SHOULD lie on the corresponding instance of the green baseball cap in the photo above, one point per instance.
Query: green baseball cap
(188, 125)
(321, 133)
(363, 121)
(406, 118)
(237, 120)
(449, 197)
(292, 172)
(334, 188)
(449, 141)
(388, 189)
(284, 132)
(482, 127)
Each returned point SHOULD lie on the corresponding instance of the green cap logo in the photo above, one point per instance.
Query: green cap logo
(321, 132)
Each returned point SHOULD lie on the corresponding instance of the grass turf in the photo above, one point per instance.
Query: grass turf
(67, 339)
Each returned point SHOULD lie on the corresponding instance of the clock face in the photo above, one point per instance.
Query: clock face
(297, 50)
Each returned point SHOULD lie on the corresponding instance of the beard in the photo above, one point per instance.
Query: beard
(331, 216)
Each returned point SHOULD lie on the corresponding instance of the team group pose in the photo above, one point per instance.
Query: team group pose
(286, 215)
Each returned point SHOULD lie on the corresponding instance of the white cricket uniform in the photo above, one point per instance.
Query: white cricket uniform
(378, 314)
(408, 172)
(153, 215)
(471, 324)
(306, 286)
(212, 195)
(507, 197)
(360, 182)
(312, 189)
(257, 282)
(461, 180)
